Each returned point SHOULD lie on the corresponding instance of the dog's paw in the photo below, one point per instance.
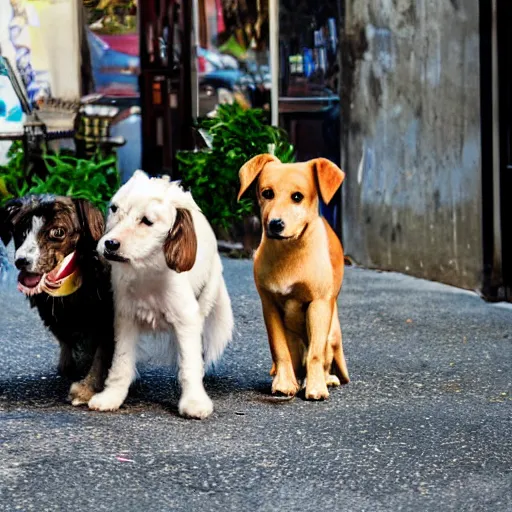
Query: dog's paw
(80, 393)
(332, 380)
(317, 391)
(284, 386)
(108, 400)
(198, 407)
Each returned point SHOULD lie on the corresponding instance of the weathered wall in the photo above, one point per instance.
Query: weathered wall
(411, 138)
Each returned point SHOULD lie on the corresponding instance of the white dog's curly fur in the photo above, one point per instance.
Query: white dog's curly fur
(166, 277)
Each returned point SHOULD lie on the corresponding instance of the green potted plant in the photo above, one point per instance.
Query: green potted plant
(237, 134)
(96, 179)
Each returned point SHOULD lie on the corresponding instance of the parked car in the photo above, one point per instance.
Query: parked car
(115, 73)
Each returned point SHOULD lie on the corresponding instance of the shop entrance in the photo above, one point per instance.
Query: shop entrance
(496, 109)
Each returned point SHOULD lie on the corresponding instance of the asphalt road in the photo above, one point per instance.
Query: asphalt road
(424, 425)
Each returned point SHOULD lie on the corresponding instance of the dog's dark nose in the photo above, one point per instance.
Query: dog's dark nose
(276, 226)
(22, 263)
(112, 245)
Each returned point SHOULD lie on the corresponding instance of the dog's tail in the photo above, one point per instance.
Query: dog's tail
(218, 327)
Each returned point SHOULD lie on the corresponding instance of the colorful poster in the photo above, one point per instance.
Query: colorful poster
(41, 40)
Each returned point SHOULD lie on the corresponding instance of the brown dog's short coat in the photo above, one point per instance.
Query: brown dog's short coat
(298, 270)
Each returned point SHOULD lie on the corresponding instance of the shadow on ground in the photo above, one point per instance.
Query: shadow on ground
(425, 423)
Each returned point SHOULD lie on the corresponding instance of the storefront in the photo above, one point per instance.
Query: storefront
(146, 72)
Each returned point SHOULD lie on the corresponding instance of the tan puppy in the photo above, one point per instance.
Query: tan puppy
(298, 270)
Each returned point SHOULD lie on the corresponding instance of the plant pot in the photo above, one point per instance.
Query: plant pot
(242, 239)
(251, 233)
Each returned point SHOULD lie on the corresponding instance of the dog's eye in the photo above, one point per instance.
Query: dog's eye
(146, 221)
(113, 208)
(297, 197)
(268, 193)
(57, 233)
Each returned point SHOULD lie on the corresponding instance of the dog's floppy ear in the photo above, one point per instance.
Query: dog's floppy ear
(8, 215)
(180, 246)
(90, 218)
(251, 169)
(329, 177)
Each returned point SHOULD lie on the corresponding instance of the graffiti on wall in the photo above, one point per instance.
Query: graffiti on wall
(20, 21)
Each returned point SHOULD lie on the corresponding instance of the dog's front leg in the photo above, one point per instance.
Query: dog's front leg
(318, 320)
(67, 365)
(82, 391)
(285, 382)
(194, 402)
(122, 371)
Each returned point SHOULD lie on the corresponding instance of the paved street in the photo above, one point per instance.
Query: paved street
(425, 424)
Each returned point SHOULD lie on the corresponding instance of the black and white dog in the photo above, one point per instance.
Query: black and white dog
(59, 270)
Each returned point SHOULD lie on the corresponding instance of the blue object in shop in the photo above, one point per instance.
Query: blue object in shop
(308, 63)
(129, 155)
(14, 114)
(329, 212)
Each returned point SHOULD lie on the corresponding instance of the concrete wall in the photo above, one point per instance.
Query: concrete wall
(411, 138)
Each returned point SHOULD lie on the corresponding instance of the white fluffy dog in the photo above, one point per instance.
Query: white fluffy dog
(166, 277)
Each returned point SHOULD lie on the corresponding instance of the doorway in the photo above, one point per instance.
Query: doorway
(496, 128)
